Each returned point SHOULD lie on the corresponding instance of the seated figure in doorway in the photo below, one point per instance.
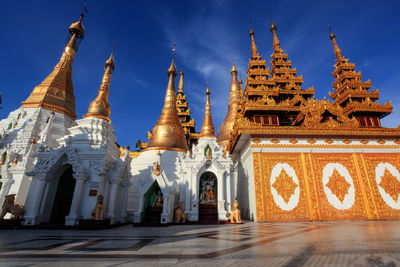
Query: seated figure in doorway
(207, 195)
(158, 203)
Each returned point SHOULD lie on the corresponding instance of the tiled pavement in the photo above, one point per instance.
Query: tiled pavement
(251, 244)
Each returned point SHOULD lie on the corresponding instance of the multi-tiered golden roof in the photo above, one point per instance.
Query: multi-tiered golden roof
(184, 114)
(352, 94)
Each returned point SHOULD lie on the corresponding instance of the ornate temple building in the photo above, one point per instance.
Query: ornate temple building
(281, 153)
(300, 158)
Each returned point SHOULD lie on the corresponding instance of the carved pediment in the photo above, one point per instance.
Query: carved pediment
(323, 114)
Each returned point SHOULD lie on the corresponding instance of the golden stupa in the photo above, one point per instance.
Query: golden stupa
(56, 92)
(168, 134)
(100, 108)
(207, 130)
(234, 99)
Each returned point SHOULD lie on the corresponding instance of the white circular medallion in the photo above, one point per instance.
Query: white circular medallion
(349, 198)
(379, 172)
(278, 199)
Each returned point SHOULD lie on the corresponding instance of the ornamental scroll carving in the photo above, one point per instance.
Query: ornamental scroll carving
(43, 166)
(313, 115)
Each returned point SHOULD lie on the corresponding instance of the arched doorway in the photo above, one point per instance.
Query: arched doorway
(63, 198)
(208, 199)
(153, 204)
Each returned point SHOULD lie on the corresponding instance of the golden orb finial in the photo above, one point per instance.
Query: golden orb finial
(233, 70)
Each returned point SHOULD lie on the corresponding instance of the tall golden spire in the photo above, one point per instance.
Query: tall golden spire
(207, 130)
(100, 108)
(180, 86)
(168, 133)
(338, 52)
(274, 29)
(56, 92)
(254, 53)
(234, 99)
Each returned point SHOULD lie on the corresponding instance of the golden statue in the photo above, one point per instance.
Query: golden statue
(180, 216)
(9, 206)
(97, 212)
(235, 215)
(159, 200)
(207, 196)
(157, 169)
(208, 154)
(15, 161)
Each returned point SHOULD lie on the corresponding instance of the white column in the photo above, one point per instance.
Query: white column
(228, 192)
(34, 199)
(102, 181)
(111, 199)
(73, 215)
(125, 188)
(188, 190)
(221, 201)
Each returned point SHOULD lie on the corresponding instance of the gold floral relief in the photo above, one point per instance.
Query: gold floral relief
(388, 183)
(337, 184)
(267, 209)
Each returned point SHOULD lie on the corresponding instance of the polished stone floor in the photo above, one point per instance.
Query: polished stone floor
(355, 243)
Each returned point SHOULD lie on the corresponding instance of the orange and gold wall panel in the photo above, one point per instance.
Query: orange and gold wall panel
(312, 186)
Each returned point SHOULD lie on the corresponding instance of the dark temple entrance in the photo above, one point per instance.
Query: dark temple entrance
(63, 198)
(208, 208)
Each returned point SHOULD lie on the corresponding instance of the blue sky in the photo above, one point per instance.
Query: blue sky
(208, 34)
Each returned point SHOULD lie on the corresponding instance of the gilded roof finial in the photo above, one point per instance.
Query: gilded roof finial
(254, 53)
(274, 29)
(207, 130)
(233, 70)
(168, 133)
(180, 86)
(100, 108)
(332, 36)
(76, 31)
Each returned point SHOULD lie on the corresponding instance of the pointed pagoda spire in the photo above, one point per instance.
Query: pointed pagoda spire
(332, 36)
(207, 130)
(274, 29)
(234, 99)
(168, 134)
(56, 92)
(100, 108)
(180, 86)
(254, 53)
(184, 114)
